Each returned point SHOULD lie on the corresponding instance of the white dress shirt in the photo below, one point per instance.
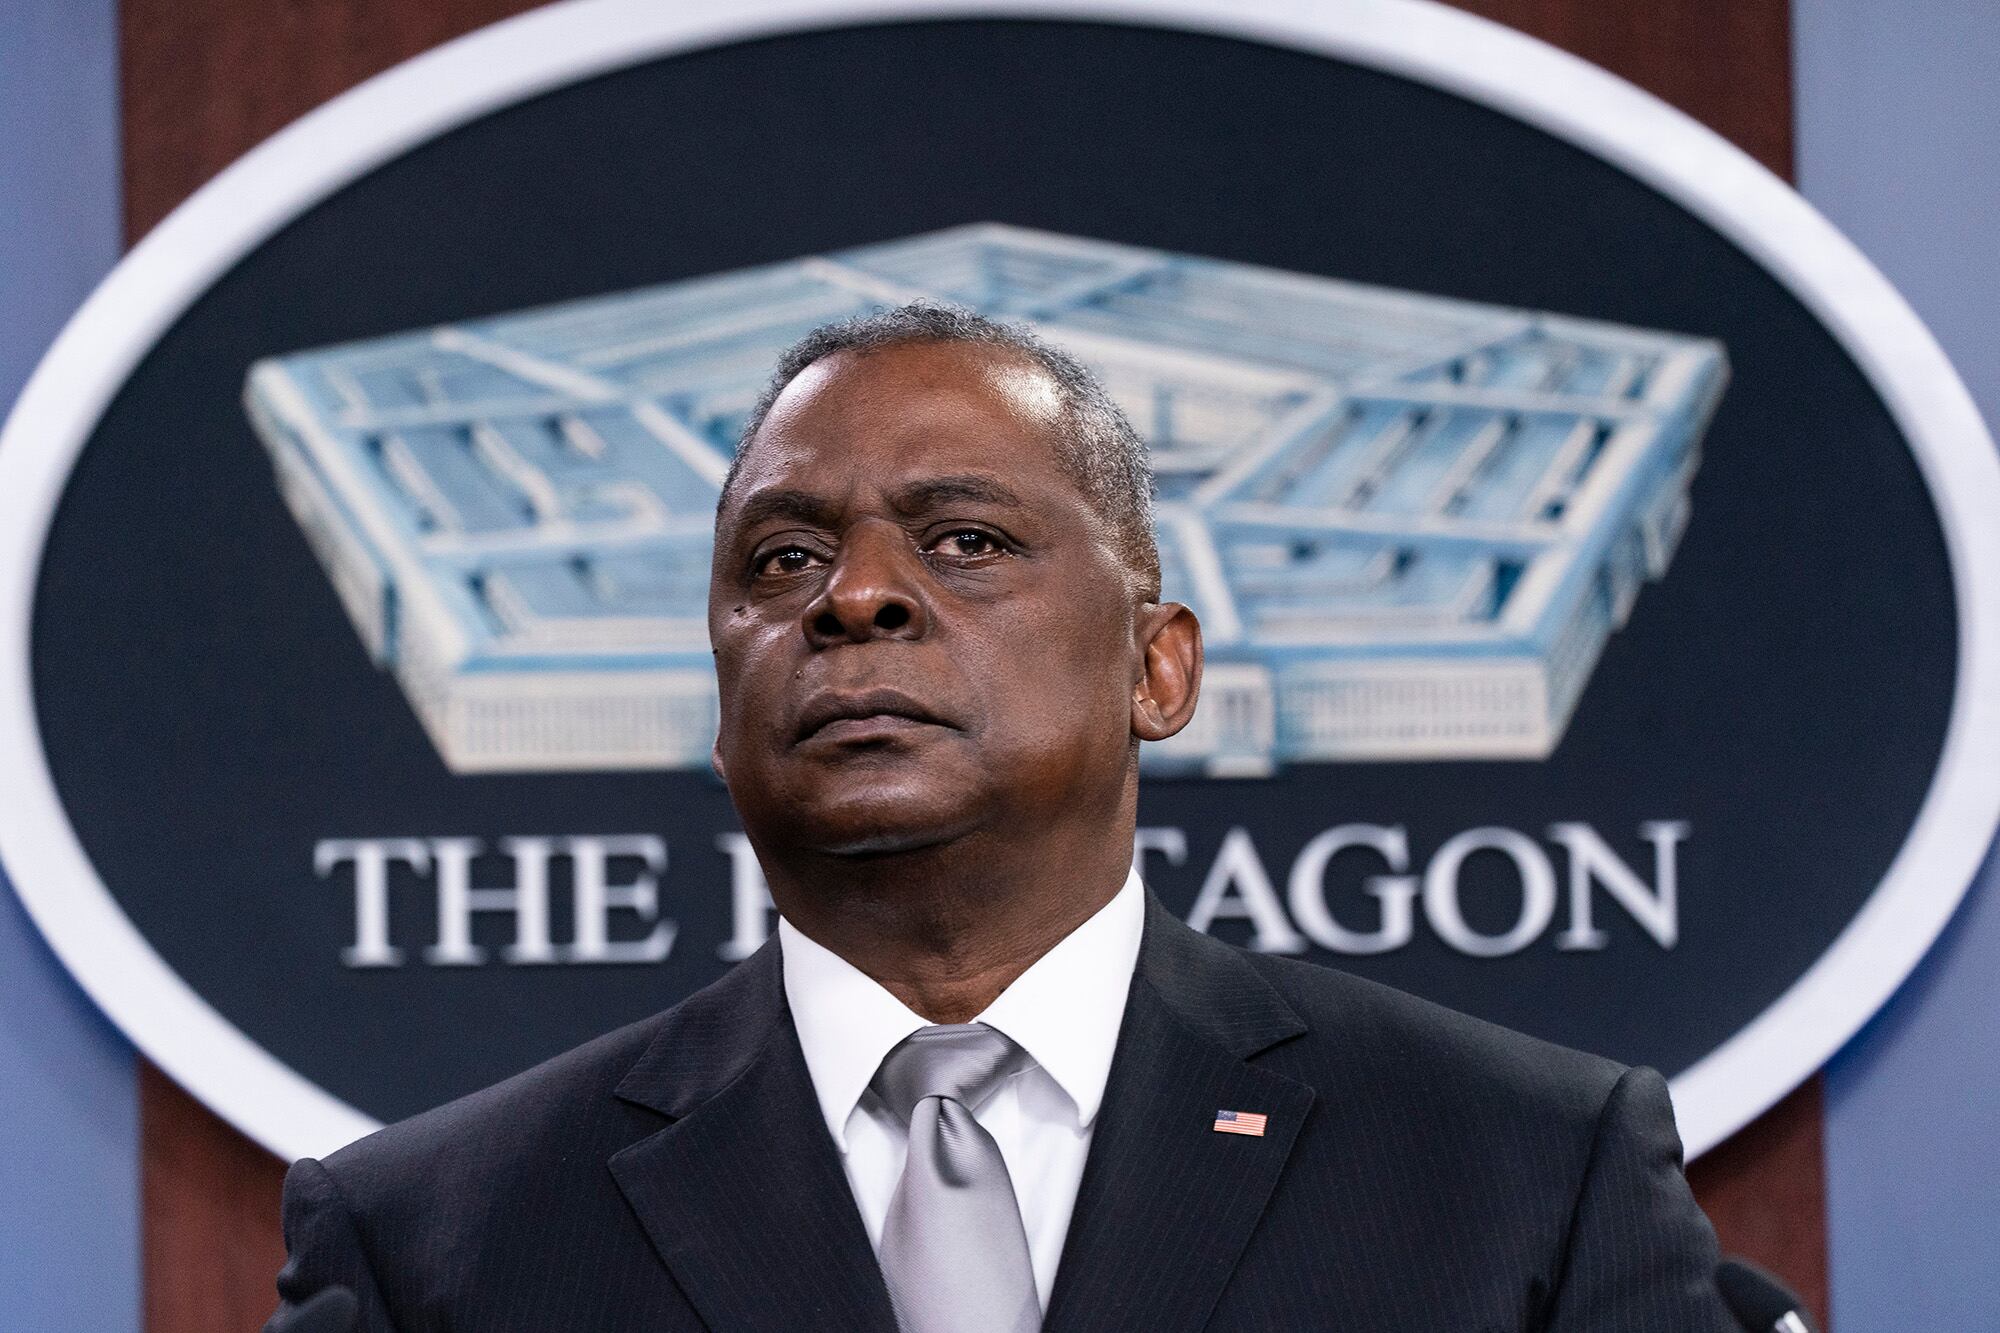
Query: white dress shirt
(1064, 1011)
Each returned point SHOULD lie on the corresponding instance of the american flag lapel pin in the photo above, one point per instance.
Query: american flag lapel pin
(1240, 1122)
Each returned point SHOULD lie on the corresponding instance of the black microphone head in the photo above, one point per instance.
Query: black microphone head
(1759, 1301)
(329, 1310)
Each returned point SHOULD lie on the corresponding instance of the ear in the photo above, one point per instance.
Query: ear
(1163, 697)
(715, 760)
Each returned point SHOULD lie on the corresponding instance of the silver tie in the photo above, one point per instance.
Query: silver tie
(954, 1252)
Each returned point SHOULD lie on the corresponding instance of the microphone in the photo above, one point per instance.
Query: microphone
(328, 1310)
(1759, 1301)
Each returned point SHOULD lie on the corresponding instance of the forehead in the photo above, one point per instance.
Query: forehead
(905, 409)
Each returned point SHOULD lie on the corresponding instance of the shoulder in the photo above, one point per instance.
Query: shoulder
(552, 1128)
(558, 1108)
(1547, 1177)
(466, 1197)
(1441, 1077)
(1390, 1037)
(1479, 1129)
(1391, 1058)
(582, 1105)
(469, 1191)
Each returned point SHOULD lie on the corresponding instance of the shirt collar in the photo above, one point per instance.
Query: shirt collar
(1064, 1011)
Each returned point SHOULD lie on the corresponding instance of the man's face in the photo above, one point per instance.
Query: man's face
(922, 630)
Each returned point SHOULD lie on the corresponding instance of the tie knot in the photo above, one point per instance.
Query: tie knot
(961, 1061)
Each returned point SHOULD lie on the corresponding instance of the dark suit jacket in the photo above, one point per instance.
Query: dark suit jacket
(1423, 1172)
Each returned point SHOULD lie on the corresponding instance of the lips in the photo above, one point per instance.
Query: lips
(831, 707)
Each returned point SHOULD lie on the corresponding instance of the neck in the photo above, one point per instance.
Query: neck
(945, 929)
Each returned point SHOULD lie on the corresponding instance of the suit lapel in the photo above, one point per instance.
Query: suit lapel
(743, 1195)
(1167, 1204)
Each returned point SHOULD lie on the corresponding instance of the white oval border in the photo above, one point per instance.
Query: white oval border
(1418, 39)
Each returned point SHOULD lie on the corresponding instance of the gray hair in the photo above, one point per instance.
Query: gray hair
(1097, 446)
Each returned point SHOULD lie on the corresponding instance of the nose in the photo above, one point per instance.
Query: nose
(874, 590)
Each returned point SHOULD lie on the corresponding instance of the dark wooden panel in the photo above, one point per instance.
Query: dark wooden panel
(205, 80)
(209, 1215)
(1727, 63)
(1765, 1190)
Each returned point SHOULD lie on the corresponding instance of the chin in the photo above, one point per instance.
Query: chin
(877, 824)
(885, 842)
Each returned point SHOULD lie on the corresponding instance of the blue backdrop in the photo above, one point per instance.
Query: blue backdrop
(1896, 105)
(69, 1122)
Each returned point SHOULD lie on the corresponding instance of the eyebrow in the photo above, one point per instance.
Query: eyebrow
(934, 492)
(916, 498)
(801, 506)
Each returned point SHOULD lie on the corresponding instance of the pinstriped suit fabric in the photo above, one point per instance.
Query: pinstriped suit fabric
(1421, 1171)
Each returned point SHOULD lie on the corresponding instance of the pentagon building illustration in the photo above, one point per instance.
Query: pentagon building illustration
(1408, 524)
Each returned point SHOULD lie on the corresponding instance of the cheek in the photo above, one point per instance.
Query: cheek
(747, 680)
(1067, 689)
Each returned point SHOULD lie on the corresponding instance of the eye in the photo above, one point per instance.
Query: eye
(786, 560)
(967, 543)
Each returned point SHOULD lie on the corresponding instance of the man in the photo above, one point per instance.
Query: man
(981, 1080)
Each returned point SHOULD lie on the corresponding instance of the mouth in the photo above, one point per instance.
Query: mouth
(862, 715)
